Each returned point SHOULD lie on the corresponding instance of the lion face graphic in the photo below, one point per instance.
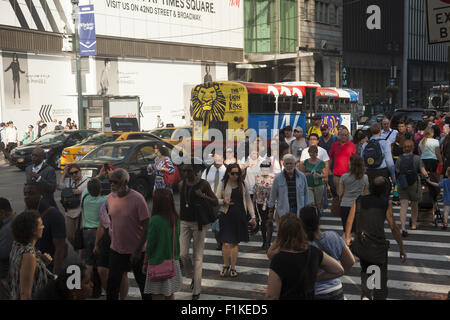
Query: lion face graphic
(208, 103)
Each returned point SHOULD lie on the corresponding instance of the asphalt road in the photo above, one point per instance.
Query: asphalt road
(426, 274)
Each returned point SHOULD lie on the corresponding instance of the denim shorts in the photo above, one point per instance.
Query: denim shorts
(88, 255)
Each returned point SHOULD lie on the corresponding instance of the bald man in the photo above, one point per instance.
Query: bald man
(39, 171)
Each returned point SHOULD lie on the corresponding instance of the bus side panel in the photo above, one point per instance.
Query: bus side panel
(269, 122)
(219, 105)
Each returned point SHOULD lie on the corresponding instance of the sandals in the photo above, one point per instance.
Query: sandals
(233, 273)
(225, 271)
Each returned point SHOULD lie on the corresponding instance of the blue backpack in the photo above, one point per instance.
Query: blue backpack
(373, 155)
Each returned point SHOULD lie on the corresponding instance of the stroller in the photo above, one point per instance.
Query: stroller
(429, 211)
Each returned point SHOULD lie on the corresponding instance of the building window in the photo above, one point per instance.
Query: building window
(316, 11)
(257, 26)
(288, 26)
(305, 10)
(325, 13)
(336, 15)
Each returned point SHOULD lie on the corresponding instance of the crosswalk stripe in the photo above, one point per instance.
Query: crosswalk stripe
(405, 242)
(395, 254)
(412, 232)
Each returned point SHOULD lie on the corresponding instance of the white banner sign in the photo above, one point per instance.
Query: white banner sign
(438, 21)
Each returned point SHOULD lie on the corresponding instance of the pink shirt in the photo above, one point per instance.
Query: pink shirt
(126, 214)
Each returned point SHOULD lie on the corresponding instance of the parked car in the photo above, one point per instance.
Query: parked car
(367, 122)
(53, 144)
(172, 135)
(131, 155)
(410, 115)
(78, 151)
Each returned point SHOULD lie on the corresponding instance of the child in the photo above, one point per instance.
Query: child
(445, 183)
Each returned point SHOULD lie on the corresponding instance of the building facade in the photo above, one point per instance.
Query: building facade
(386, 53)
(157, 50)
(292, 40)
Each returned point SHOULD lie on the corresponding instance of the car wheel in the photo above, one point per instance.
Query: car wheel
(142, 187)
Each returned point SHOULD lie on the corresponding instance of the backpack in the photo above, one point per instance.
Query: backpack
(373, 155)
(407, 175)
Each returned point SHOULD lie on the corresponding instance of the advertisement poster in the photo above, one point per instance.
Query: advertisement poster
(107, 76)
(16, 77)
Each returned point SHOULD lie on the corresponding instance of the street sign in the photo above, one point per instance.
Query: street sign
(438, 21)
(88, 41)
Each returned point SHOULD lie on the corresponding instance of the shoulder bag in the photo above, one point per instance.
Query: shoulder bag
(366, 246)
(171, 178)
(78, 242)
(205, 213)
(164, 270)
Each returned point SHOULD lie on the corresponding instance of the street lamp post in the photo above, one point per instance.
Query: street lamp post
(76, 50)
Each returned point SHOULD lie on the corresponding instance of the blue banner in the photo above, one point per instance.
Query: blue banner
(88, 40)
(269, 122)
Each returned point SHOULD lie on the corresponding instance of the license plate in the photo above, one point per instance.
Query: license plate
(87, 173)
(78, 158)
(20, 160)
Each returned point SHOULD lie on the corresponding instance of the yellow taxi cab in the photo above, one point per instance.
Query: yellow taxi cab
(76, 152)
(172, 135)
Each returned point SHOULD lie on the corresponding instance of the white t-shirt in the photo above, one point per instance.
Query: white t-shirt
(212, 175)
(323, 155)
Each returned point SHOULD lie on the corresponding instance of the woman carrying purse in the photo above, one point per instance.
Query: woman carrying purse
(163, 244)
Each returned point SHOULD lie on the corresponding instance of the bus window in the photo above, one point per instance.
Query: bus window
(297, 104)
(284, 104)
(325, 106)
(261, 103)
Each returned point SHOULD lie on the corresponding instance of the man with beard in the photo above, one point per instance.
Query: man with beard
(53, 240)
(41, 173)
(129, 217)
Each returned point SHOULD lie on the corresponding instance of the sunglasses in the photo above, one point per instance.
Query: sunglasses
(234, 173)
(74, 172)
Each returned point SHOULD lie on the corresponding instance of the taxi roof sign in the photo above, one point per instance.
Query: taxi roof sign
(438, 21)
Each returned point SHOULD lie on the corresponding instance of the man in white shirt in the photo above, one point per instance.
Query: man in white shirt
(323, 155)
(3, 139)
(11, 138)
(214, 174)
(388, 133)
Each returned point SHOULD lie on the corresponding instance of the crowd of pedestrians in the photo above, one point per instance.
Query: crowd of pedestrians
(283, 187)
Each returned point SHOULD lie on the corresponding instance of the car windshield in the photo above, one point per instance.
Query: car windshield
(415, 116)
(163, 133)
(99, 139)
(109, 153)
(52, 137)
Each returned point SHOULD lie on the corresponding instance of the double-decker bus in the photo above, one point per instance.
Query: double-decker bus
(238, 106)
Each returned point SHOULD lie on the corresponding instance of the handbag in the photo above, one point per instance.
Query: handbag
(205, 213)
(368, 247)
(164, 270)
(78, 242)
(70, 200)
(336, 207)
(171, 178)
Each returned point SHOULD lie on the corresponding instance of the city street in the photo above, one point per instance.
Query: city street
(426, 274)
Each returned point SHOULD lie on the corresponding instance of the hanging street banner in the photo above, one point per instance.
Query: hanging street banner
(438, 21)
(88, 41)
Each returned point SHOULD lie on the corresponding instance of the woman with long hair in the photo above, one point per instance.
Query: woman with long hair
(331, 243)
(295, 264)
(351, 185)
(430, 152)
(163, 244)
(163, 164)
(235, 202)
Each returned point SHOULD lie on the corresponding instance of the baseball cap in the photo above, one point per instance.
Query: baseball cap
(324, 127)
(298, 129)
